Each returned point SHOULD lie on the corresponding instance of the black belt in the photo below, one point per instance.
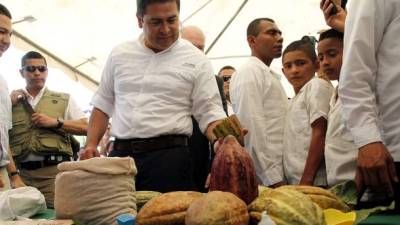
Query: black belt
(150, 144)
(49, 160)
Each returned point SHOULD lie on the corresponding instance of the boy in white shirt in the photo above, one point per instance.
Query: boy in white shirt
(306, 120)
(340, 150)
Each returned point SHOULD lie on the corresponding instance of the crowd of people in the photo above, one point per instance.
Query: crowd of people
(165, 100)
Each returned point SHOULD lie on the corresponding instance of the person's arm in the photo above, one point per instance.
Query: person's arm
(97, 127)
(316, 151)
(77, 127)
(357, 87)
(336, 21)
(12, 170)
(207, 105)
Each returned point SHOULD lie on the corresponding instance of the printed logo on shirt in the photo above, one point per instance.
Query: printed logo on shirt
(190, 65)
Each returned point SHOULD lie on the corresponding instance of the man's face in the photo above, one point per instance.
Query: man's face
(268, 42)
(330, 53)
(160, 25)
(226, 75)
(35, 73)
(5, 33)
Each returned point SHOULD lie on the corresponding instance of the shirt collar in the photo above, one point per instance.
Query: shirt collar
(141, 40)
(265, 67)
(38, 96)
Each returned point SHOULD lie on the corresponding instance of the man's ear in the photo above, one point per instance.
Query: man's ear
(251, 40)
(21, 71)
(140, 21)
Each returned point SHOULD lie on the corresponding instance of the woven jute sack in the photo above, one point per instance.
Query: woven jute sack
(95, 191)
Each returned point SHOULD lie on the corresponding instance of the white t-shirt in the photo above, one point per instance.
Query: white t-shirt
(260, 103)
(310, 104)
(149, 94)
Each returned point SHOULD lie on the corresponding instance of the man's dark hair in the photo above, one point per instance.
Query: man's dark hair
(304, 46)
(141, 5)
(32, 55)
(4, 11)
(254, 27)
(226, 68)
(331, 33)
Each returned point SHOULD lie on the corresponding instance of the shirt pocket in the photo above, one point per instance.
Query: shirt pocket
(300, 120)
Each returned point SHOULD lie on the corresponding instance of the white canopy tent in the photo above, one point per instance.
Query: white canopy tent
(77, 36)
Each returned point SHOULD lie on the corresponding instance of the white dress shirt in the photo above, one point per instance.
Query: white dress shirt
(370, 76)
(340, 150)
(5, 121)
(149, 94)
(310, 104)
(260, 103)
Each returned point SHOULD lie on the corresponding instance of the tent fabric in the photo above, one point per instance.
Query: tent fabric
(82, 33)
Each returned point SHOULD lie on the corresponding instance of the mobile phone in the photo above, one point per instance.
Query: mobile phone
(334, 9)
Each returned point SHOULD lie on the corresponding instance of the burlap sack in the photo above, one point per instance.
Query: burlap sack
(95, 191)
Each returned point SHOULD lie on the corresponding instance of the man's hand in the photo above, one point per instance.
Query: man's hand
(16, 95)
(306, 180)
(336, 21)
(375, 169)
(88, 153)
(42, 120)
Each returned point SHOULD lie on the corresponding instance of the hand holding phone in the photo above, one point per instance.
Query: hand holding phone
(334, 9)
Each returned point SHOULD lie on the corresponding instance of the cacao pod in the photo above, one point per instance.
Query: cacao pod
(142, 197)
(217, 208)
(286, 207)
(324, 198)
(167, 209)
(233, 171)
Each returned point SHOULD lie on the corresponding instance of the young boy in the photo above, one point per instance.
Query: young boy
(340, 150)
(306, 121)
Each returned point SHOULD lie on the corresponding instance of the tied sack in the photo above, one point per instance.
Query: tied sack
(95, 191)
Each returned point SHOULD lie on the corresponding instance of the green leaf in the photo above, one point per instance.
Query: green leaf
(346, 191)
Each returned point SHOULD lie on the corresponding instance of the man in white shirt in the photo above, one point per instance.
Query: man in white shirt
(151, 87)
(369, 87)
(8, 170)
(42, 123)
(260, 102)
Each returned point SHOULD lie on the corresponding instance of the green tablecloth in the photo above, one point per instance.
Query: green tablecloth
(48, 214)
(382, 220)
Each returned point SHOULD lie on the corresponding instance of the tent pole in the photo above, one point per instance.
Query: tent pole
(226, 26)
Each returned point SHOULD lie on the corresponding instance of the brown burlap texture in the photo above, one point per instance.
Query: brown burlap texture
(95, 191)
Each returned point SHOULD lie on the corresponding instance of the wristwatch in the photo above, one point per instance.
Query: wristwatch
(60, 122)
(14, 173)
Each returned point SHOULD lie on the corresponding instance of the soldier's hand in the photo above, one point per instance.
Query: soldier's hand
(42, 120)
(88, 153)
(375, 169)
(16, 95)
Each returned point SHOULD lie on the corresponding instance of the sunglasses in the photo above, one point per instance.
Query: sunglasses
(226, 78)
(32, 69)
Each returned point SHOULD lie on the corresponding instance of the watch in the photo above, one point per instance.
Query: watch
(60, 122)
(14, 173)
